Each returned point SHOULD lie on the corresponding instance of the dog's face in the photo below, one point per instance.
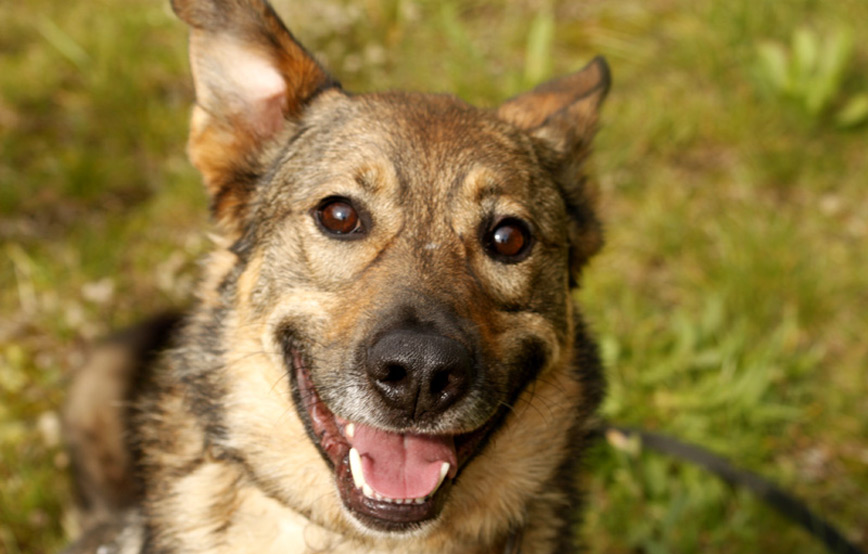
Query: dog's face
(399, 273)
(415, 277)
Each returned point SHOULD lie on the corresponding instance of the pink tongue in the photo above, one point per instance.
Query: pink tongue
(400, 465)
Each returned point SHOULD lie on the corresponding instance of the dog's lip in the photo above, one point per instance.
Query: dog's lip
(329, 432)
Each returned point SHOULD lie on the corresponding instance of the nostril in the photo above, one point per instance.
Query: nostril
(393, 374)
(439, 383)
(444, 382)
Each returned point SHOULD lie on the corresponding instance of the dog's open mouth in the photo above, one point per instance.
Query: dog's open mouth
(390, 481)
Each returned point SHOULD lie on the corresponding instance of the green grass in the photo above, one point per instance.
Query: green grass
(731, 300)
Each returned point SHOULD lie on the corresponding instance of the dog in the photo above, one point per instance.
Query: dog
(385, 353)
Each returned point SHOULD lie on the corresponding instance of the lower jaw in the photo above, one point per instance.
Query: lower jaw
(386, 516)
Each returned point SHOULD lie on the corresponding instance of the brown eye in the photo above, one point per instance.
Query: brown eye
(509, 241)
(338, 216)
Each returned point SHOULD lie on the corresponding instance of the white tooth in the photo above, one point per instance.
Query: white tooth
(419, 500)
(350, 430)
(356, 469)
(367, 490)
(444, 469)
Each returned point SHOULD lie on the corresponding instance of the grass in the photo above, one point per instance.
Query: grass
(730, 300)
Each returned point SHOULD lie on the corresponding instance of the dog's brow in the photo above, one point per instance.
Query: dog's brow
(480, 182)
(368, 180)
(490, 189)
(363, 179)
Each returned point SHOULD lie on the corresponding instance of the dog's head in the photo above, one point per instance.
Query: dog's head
(399, 272)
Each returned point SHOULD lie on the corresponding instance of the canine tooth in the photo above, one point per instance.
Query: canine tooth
(444, 469)
(350, 430)
(356, 469)
(368, 491)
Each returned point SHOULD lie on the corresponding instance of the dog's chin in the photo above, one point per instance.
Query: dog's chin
(377, 502)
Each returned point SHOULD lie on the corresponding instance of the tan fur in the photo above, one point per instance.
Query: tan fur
(226, 448)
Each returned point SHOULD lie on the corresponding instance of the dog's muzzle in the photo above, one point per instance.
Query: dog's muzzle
(393, 480)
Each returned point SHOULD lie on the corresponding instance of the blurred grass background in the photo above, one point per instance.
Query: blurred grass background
(731, 300)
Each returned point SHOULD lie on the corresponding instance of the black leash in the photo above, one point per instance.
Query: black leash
(785, 503)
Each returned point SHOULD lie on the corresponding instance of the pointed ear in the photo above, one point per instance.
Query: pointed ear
(251, 76)
(564, 110)
(563, 113)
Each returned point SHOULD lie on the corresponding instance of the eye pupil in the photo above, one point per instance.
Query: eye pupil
(338, 217)
(509, 241)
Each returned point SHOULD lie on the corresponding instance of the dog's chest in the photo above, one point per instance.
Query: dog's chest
(262, 525)
(254, 522)
(233, 516)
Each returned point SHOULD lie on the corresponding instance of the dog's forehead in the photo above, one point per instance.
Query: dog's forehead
(432, 144)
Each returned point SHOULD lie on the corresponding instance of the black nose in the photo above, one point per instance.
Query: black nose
(418, 373)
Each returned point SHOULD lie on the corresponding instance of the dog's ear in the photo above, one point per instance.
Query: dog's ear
(562, 111)
(563, 114)
(251, 77)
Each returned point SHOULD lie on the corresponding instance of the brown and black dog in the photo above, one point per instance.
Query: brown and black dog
(385, 354)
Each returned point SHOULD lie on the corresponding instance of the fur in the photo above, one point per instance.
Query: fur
(225, 446)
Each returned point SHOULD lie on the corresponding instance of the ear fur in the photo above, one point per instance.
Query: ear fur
(574, 98)
(563, 113)
(250, 76)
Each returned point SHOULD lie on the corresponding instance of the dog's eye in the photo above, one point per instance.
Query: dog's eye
(509, 240)
(338, 216)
